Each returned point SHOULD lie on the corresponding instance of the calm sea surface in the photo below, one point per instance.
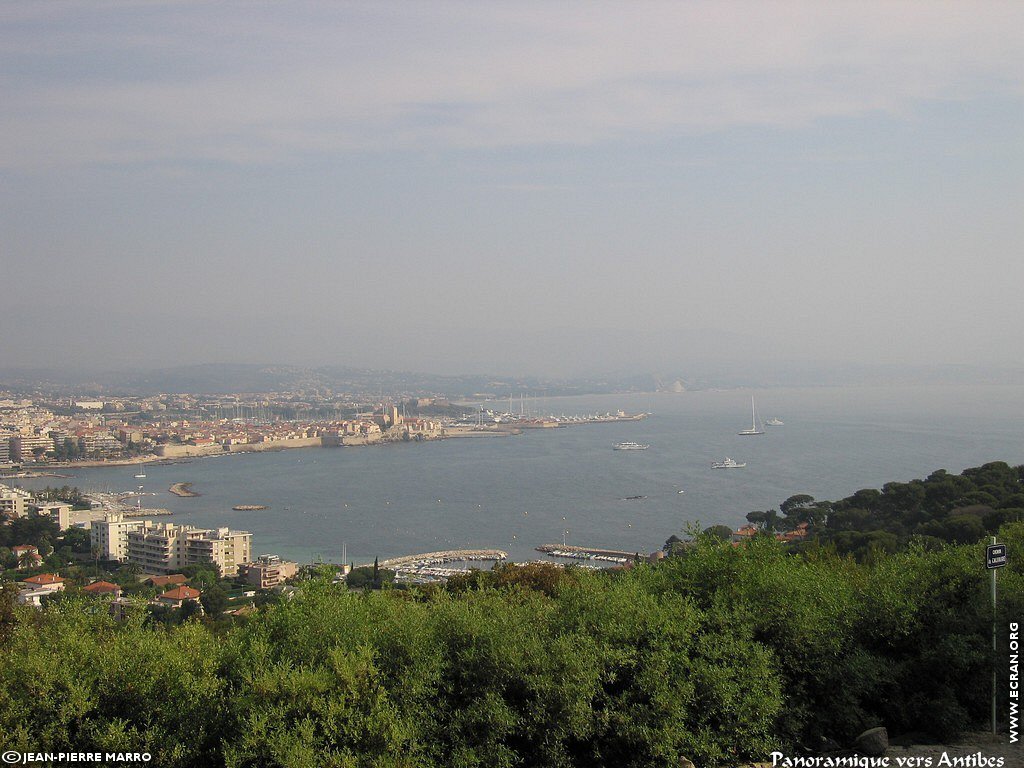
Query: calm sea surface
(518, 492)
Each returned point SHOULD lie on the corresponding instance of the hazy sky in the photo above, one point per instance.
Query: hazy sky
(494, 186)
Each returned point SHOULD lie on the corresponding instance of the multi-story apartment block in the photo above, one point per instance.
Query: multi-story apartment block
(26, 448)
(110, 536)
(102, 444)
(14, 501)
(268, 571)
(157, 547)
(166, 547)
(222, 547)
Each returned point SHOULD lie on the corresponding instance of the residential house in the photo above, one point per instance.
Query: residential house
(178, 596)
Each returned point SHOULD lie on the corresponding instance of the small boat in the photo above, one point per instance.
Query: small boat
(631, 446)
(754, 430)
(774, 422)
(141, 473)
(728, 464)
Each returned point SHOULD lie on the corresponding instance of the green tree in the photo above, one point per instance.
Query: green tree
(214, 601)
(721, 532)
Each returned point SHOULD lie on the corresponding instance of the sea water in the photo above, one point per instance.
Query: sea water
(515, 493)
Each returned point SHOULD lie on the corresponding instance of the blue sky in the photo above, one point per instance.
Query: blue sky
(472, 186)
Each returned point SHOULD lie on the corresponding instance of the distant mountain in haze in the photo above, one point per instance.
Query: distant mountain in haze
(222, 378)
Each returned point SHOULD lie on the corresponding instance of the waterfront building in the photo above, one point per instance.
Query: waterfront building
(14, 501)
(165, 547)
(226, 549)
(29, 447)
(268, 571)
(110, 536)
(101, 444)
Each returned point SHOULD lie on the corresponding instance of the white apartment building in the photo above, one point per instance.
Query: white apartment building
(110, 536)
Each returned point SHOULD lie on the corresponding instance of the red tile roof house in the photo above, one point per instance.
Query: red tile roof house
(103, 588)
(178, 596)
(38, 587)
(50, 581)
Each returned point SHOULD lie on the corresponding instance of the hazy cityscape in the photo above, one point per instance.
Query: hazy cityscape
(447, 385)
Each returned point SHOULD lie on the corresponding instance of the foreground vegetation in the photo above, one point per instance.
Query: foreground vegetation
(719, 654)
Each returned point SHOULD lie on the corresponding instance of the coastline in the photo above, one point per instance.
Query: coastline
(42, 470)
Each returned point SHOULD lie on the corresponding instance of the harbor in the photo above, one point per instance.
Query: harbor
(619, 557)
(430, 566)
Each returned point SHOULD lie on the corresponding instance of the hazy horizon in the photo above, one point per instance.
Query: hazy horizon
(515, 189)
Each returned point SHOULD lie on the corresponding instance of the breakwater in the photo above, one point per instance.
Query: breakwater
(139, 512)
(183, 489)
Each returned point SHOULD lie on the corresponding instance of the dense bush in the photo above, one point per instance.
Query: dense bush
(720, 654)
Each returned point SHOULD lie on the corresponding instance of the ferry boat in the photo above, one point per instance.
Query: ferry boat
(631, 446)
(728, 464)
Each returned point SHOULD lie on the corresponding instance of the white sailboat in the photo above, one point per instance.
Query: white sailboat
(754, 429)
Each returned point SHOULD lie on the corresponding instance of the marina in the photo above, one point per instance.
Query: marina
(432, 566)
(587, 553)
